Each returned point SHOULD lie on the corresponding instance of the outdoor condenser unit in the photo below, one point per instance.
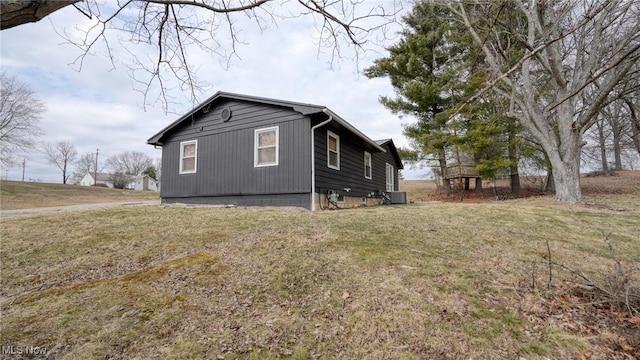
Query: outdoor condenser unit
(398, 197)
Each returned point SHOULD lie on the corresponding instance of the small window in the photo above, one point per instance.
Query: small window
(188, 156)
(266, 147)
(367, 165)
(333, 150)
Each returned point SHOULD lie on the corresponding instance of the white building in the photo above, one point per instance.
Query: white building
(103, 178)
(145, 182)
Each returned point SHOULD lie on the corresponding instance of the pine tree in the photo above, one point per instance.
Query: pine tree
(435, 68)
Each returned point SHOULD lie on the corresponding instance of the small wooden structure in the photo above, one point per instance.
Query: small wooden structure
(464, 171)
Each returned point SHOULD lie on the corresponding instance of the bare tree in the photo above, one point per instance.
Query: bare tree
(129, 162)
(620, 124)
(575, 54)
(159, 34)
(85, 165)
(60, 154)
(20, 113)
(596, 152)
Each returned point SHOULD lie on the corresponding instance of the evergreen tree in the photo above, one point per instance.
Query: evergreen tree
(420, 70)
(435, 69)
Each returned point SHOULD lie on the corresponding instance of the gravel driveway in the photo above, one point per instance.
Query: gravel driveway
(46, 210)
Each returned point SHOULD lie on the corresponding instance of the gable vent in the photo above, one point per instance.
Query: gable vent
(225, 114)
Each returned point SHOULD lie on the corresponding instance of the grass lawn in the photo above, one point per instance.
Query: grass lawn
(25, 195)
(422, 281)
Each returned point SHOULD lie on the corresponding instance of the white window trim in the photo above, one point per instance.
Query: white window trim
(195, 161)
(256, 158)
(337, 167)
(367, 156)
(390, 184)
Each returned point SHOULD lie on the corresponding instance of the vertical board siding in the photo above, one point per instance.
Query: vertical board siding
(226, 154)
(351, 173)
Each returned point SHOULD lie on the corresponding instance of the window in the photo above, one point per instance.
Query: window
(188, 156)
(390, 178)
(266, 147)
(333, 150)
(367, 165)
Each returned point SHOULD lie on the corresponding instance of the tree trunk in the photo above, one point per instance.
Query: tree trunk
(64, 173)
(563, 148)
(603, 147)
(566, 178)
(443, 170)
(515, 182)
(617, 152)
(513, 170)
(479, 185)
(617, 148)
(513, 159)
(565, 166)
(549, 184)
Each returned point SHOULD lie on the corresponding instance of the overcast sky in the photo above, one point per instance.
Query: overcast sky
(98, 108)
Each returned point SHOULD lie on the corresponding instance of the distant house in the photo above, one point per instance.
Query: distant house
(103, 178)
(247, 150)
(145, 182)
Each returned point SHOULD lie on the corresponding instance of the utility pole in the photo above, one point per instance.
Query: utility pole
(95, 170)
(23, 164)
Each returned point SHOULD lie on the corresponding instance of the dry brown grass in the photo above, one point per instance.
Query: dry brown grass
(428, 280)
(26, 195)
(618, 192)
(419, 190)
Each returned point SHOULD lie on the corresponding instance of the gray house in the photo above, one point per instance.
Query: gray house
(247, 150)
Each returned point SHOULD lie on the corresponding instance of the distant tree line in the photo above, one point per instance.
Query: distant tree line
(122, 168)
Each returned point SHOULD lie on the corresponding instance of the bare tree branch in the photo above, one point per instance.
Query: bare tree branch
(160, 35)
(20, 113)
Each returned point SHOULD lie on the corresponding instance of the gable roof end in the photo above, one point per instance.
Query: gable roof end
(394, 151)
(304, 109)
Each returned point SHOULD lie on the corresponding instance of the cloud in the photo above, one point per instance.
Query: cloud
(98, 107)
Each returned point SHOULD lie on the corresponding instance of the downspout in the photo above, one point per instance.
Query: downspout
(313, 161)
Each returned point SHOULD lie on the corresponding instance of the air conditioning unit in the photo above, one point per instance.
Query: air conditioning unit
(398, 197)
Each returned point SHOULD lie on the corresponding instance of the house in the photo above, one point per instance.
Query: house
(145, 182)
(103, 178)
(253, 151)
